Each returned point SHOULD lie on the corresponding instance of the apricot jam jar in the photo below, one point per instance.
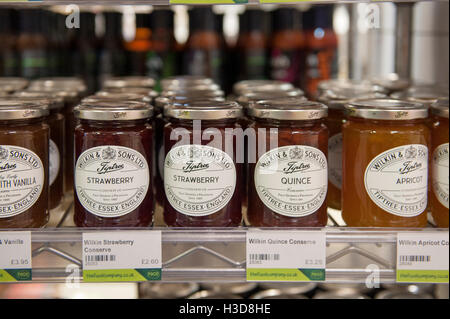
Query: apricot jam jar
(439, 163)
(24, 139)
(385, 164)
(203, 177)
(287, 180)
(335, 99)
(113, 154)
(56, 122)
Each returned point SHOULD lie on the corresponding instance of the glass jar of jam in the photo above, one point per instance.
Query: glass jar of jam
(385, 164)
(129, 82)
(113, 158)
(202, 170)
(56, 122)
(287, 184)
(439, 163)
(24, 138)
(335, 99)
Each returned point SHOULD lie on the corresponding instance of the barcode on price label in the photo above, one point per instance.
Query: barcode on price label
(422, 257)
(264, 257)
(97, 258)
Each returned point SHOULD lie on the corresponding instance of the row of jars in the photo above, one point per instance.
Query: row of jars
(127, 153)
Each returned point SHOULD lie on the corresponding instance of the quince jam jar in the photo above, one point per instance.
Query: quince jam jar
(203, 176)
(385, 164)
(24, 138)
(113, 154)
(439, 163)
(287, 164)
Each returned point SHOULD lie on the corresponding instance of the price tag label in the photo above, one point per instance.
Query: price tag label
(15, 256)
(122, 256)
(286, 255)
(422, 257)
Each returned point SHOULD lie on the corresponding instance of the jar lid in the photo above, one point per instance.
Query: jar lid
(113, 111)
(204, 110)
(161, 101)
(422, 93)
(193, 93)
(185, 80)
(129, 81)
(12, 84)
(19, 109)
(193, 87)
(392, 82)
(261, 85)
(340, 84)
(120, 96)
(338, 98)
(440, 107)
(58, 83)
(65, 94)
(259, 96)
(54, 101)
(386, 109)
(287, 109)
(136, 90)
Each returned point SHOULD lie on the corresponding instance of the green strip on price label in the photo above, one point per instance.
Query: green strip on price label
(14, 275)
(429, 276)
(280, 274)
(208, 1)
(121, 275)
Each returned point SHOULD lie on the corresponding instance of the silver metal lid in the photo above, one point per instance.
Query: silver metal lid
(54, 101)
(12, 84)
(392, 82)
(120, 96)
(193, 93)
(208, 294)
(129, 81)
(340, 84)
(167, 290)
(426, 94)
(386, 109)
(231, 288)
(193, 87)
(135, 90)
(395, 294)
(204, 110)
(58, 83)
(338, 98)
(275, 294)
(288, 109)
(246, 86)
(19, 109)
(290, 288)
(161, 101)
(113, 111)
(185, 80)
(67, 95)
(440, 107)
(246, 98)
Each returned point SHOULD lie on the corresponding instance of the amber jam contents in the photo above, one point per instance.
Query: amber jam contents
(439, 163)
(203, 183)
(385, 164)
(113, 149)
(24, 139)
(288, 176)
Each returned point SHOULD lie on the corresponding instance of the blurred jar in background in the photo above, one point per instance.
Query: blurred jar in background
(252, 46)
(321, 48)
(31, 45)
(8, 55)
(204, 52)
(161, 60)
(287, 46)
(138, 48)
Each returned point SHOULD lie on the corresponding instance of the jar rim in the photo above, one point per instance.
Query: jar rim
(22, 110)
(185, 80)
(113, 111)
(288, 109)
(204, 110)
(386, 109)
(129, 81)
(246, 86)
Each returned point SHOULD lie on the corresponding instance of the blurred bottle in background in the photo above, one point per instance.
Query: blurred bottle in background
(287, 46)
(252, 46)
(161, 60)
(138, 48)
(32, 44)
(9, 61)
(204, 52)
(112, 54)
(86, 54)
(321, 47)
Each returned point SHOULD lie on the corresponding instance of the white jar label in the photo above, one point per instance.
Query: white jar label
(440, 173)
(21, 180)
(54, 162)
(199, 180)
(292, 180)
(111, 181)
(335, 160)
(396, 180)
